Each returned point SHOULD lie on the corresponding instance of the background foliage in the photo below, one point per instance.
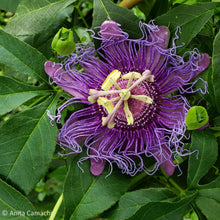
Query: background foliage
(34, 177)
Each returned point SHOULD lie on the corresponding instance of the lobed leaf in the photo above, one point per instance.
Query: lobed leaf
(159, 7)
(13, 93)
(132, 202)
(216, 69)
(87, 196)
(214, 184)
(164, 210)
(190, 18)
(27, 144)
(209, 203)
(21, 57)
(205, 142)
(40, 20)
(12, 202)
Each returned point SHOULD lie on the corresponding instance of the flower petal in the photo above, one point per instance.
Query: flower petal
(181, 73)
(163, 36)
(97, 164)
(110, 30)
(168, 167)
(203, 63)
(154, 55)
(62, 79)
(163, 155)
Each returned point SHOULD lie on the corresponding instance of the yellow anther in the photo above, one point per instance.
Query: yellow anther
(125, 94)
(143, 98)
(150, 77)
(92, 91)
(146, 72)
(92, 99)
(134, 75)
(112, 77)
(105, 121)
(128, 114)
(106, 104)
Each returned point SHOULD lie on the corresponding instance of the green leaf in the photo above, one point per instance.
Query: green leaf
(9, 5)
(13, 93)
(27, 143)
(164, 210)
(131, 202)
(216, 69)
(205, 142)
(12, 202)
(209, 203)
(86, 196)
(105, 10)
(40, 20)
(190, 18)
(160, 7)
(21, 57)
(214, 184)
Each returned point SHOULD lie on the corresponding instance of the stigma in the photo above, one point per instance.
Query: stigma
(112, 96)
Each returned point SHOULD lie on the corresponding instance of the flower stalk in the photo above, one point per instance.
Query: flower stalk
(56, 207)
(129, 3)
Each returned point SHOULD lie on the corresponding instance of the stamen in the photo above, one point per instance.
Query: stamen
(111, 78)
(150, 77)
(123, 95)
(94, 94)
(105, 103)
(128, 113)
(131, 76)
(126, 94)
(109, 120)
(115, 83)
(134, 75)
(114, 99)
(146, 74)
(92, 99)
(143, 98)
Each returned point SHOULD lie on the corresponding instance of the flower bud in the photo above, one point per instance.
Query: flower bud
(63, 42)
(197, 118)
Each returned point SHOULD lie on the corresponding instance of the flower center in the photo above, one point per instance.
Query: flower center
(119, 96)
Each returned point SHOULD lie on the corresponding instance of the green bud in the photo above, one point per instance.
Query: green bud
(63, 42)
(196, 118)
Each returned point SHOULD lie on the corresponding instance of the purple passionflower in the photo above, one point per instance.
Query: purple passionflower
(131, 113)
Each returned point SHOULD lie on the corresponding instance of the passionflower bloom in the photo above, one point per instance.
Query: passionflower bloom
(131, 114)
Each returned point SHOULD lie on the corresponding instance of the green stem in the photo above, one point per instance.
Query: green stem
(81, 15)
(37, 101)
(129, 3)
(142, 175)
(174, 184)
(56, 207)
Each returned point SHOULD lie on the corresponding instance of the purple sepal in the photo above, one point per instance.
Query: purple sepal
(97, 166)
(61, 78)
(204, 126)
(168, 167)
